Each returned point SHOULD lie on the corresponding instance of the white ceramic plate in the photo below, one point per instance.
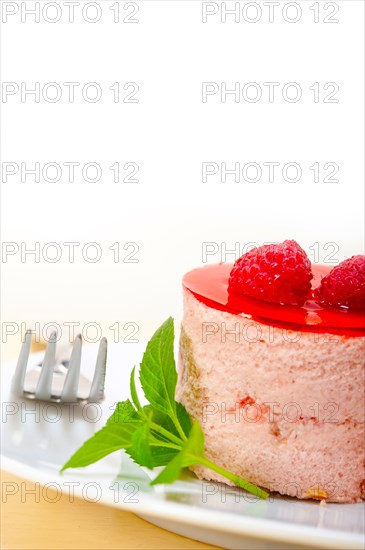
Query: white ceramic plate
(37, 438)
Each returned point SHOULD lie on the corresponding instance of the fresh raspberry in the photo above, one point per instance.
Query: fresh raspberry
(344, 285)
(279, 273)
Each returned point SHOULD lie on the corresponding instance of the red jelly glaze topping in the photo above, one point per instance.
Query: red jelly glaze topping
(209, 284)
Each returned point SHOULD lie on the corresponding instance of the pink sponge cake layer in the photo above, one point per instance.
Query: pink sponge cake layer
(280, 404)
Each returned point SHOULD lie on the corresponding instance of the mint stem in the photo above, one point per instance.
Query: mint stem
(159, 443)
(169, 436)
(179, 429)
(250, 487)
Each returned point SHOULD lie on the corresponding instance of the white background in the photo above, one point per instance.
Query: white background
(169, 133)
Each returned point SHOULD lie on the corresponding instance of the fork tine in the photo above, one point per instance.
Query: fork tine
(97, 386)
(44, 385)
(69, 391)
(17, 385)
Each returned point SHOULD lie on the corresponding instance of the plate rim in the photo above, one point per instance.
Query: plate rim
(260, 528)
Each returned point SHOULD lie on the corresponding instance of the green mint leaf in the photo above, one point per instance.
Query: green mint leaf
(163, 420)
(124, 412)
(133, 390)
(158, 372)
(140, 450)
(195, 442)
(163, 427)
(162, 455)
(158, 434)
(188, 456)
(172, 471)
(109, 439)
(184, 418)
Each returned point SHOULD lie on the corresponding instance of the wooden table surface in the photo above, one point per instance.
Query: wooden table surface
(64, 525)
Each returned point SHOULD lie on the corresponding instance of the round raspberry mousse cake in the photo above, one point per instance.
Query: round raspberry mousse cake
(271, 363)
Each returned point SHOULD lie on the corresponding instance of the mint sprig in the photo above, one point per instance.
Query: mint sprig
(161, 433)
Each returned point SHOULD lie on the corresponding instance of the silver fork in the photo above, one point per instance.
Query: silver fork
(56, 380)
